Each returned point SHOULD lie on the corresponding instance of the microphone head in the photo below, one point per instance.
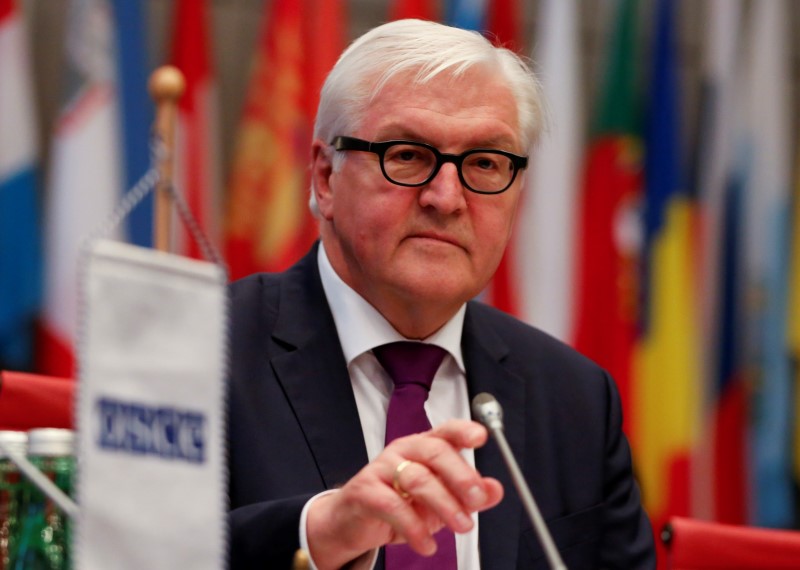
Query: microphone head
(487, 410)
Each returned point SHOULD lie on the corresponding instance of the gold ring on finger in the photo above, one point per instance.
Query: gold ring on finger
(396, 478)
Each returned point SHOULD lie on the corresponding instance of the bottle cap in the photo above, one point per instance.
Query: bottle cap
(51, 442)
(16, 440)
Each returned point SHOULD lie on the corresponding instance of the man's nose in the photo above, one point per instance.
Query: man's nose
(445, 192)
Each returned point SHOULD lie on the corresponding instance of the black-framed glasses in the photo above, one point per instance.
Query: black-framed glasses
(409, 163)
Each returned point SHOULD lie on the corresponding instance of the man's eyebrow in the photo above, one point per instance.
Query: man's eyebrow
(403, 133)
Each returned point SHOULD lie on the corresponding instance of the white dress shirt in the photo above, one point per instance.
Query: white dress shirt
(361, 328)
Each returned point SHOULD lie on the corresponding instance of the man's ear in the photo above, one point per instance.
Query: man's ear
(321, 171)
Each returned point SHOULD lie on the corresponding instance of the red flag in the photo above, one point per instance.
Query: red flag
(419, 9)
(196, 171)
(503, 24)
(607, 280)
(504, 21)
(324, 41)
(607, 277)
(268, 224)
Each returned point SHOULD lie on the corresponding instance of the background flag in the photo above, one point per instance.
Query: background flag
(269, 225)
(609, 230)
(794, 326)
(667, 391)
(467, 14)
(504, 23)
(731, 398)
(504, 290)
(420, 9)
(768, 110)
(196, 136)
(713, 156)
(324, 39)
(85, 178)
(137, 111)
(20, 255)
(549, 202)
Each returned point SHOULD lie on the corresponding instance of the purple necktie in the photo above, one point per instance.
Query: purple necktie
(412, 366)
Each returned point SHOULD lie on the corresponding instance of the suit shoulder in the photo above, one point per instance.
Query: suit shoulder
(254, 300)
(529, 343)
(572, 385)
(255, 283)
(253, 288)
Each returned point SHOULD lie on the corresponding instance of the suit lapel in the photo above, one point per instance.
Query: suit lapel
(314, 375)
(484, 353)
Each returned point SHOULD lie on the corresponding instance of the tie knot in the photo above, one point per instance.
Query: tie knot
(410, 362)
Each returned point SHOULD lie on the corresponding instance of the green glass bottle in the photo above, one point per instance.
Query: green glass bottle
(45, 537)
(10, 496)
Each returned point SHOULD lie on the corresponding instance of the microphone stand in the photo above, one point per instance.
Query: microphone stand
(553, 557)
(489, 412)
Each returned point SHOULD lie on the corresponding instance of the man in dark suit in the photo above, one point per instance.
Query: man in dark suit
(421, 137)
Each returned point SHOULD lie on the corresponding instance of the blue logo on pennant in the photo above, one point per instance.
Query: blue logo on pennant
(139, 429)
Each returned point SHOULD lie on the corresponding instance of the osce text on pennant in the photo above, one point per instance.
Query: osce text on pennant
(142, 429)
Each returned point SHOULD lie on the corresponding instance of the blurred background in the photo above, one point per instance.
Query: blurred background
(658, 232)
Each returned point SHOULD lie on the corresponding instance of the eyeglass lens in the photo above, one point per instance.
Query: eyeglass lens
(482, 171)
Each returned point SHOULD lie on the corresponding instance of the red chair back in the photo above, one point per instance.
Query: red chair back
(701, 545)
(30, 401)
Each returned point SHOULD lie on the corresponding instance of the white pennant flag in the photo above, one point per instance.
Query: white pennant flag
(152, 476)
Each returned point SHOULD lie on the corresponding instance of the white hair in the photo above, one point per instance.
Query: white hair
(426, 50)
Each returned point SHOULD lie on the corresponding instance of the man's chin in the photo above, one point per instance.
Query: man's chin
(446, 290)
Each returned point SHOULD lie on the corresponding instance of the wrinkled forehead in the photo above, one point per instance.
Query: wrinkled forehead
(421, 81)
(478, 92)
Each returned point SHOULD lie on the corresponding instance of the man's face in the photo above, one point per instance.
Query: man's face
(429, 248)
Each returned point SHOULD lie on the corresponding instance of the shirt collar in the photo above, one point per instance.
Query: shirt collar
(361, 327)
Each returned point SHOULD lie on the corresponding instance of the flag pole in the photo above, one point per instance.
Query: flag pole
(166, 87)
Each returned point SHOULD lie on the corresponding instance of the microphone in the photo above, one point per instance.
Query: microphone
(487, 410)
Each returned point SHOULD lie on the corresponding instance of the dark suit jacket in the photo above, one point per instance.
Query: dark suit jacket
(294, 431)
